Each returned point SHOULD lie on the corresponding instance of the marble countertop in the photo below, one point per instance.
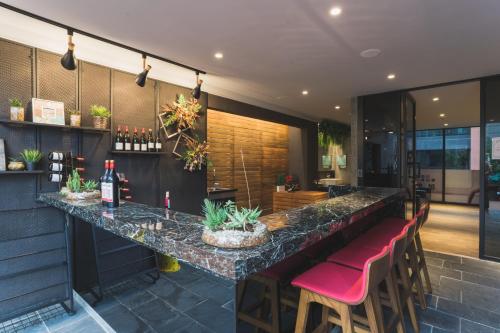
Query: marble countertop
(179, 234)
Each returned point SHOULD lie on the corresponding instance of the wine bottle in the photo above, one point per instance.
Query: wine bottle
(56, 167)
(144, 143)
(55, 177)
(110, 188)
(135, 141)
(56, 156)
(126, 140)
(119, 139)
(158, 143)
(104, 187)
(151, 141)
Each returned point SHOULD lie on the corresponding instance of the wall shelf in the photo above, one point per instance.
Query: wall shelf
(32, 124)
(21, 172)
(124, 152)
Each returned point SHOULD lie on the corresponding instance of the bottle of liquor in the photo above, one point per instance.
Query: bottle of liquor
(119, 139)
(144, 142)
(151, 141)
(135, 141)
(158, 143)
(126, 140)
(110, 187)
(167, 200)
(104, 187)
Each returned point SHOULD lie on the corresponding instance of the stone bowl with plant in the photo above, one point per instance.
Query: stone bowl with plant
(75, 118)
(228, 226)
(16, 109)
(76, 189)
(31, 157)
(100, 115)
(15, 164)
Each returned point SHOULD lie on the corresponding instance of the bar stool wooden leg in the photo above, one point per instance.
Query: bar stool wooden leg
(345, 313)
(325, 312)
(408, 294)
(374, 313)
(415, 276)
(394, 299)
(303, 312)
(423, 263)
(275, 307)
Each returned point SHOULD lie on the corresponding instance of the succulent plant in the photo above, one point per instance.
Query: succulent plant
(90, 185)
(74, 182)
(31, 155)
(228, 216)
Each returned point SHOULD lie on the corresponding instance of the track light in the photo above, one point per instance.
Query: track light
(196, 93)
(68, 60)
(141, 77)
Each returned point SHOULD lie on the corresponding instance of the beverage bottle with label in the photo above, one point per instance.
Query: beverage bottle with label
(110, 187)
(104, 187)
(126, 140)
(158, 143)
(151, 141)
(119, 139)
(135, 141)
(144, 142)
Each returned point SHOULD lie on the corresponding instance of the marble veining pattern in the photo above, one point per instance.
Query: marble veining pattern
(179, 234)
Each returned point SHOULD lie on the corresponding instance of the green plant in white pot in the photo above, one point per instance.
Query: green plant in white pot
(31, 157)
(75, 118)
(100, 115)
(16, 109)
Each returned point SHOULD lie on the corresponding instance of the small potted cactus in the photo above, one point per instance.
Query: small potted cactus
(76, 189)
(16, 109)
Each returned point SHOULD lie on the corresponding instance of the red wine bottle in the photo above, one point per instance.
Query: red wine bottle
(144, 142)
(104, 187)
(158, 143)
(135, 141)
(151, 141)
(126, 140)
(119, 139)
(110, 187)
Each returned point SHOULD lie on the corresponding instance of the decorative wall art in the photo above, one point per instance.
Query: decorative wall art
(47, 112)
(179, 116)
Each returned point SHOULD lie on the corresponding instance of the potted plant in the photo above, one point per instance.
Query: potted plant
(280, 183)
(75, 118)
(15, 164)
(195, 155)
(16, 109)
(229, 227)
(75, 189)
(100, 116)
(31, 157)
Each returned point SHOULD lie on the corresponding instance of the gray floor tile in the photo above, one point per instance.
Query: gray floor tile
(216, 292)
(213, 316)
(175, 295)
(439, 319)
(447, 257)
(480, 296)
(135, 298)
(448, 288)
(193, 327)
(64, 319)
(182, 277)
(157, 314)
(481, 279)
(123, 320)
(467, 326)
(85, 325)
(469, 312)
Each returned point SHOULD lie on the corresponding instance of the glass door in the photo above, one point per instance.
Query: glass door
(409, 172)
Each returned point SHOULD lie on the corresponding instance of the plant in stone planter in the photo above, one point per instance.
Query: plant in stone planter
(229, 227)
(75, 118)
(100, 115)
(75, 189)
(31, 157)
(16, 109)
(15, 164)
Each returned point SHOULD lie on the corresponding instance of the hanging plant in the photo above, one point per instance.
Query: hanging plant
(195, 155)
(181, 113)
(332, 133)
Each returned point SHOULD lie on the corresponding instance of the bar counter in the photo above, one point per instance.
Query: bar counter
(179, 234)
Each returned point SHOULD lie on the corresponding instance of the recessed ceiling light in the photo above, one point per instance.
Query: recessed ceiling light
(391, 76)
(218, 55)
(445, 124)
(391, 132)
(305, 92)
(442, 115)
(337, 107)
(370, 53)
(435, 99)
(335, 11)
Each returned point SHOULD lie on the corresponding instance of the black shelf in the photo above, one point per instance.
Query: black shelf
(32, 124)
(131, 152)
(21, 172)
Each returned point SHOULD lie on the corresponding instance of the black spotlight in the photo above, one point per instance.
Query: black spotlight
(196, 93)
(140, 79)
(68, 60)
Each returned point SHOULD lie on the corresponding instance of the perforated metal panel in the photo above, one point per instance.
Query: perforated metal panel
(95, 83)
(54, 82)
(133, 105)
(15, 74)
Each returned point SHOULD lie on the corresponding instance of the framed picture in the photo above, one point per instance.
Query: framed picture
(47, 112)
(2, 155)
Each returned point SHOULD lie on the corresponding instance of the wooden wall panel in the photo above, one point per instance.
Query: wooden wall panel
(265, 148)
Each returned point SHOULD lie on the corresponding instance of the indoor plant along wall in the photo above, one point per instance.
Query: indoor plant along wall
(229, 227)
(16, 109)
(75, 189)
(75, 118)
(180, 115)
(31, 157)
(100, 115)
(332, 133)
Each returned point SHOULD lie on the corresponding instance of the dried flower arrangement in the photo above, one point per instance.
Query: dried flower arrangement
(181, 113)
(195, 155)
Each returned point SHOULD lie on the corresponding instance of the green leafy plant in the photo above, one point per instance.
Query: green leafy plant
(15, 102)
(99, 111)
(195, 155)
(280, 180)
(228, 216)
(332, 133)
(74, 182)
(90, 185)
(182, 113)
(74, 112)
(31, 155)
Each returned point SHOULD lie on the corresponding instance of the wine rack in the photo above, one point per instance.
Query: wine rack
(62, 164)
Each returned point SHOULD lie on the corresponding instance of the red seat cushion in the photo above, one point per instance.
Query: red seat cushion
(334, 281)
(285, 269)
(353, 256)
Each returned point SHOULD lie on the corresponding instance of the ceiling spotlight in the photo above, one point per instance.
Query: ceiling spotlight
(140, 79)
(442, 115)
(391, 132)
(218, 55)
(335, 11)
(435, 99)
(337, 107)
(391, 76)
(68, 60)
(370, 53)
(445, 124)
(196, 93)
(305, 92)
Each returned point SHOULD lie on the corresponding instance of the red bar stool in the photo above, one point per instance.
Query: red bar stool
(339, 288)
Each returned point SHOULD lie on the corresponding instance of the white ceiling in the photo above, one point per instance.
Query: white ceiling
(459, 102)
(275, 49)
